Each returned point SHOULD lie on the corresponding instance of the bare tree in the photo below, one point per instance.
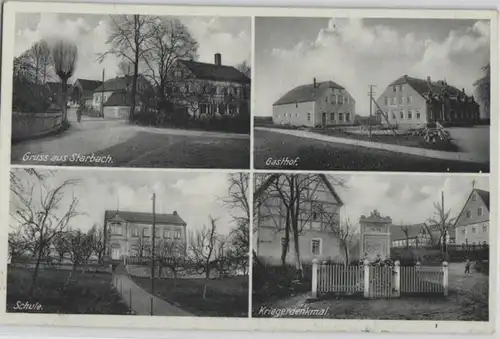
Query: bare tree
(64, 56)
(42, 60)
(98, 239)
(62, 245)
(245, 68)
(80, 250)
(41, 216)
(171, 254)
(202, 250)
(126, 68)
(483, 87)
(17, 245)
(127, 38)
(344, 231)
(169, 41)
(442, 222)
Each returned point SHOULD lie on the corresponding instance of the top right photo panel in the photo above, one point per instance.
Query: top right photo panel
(372, 94)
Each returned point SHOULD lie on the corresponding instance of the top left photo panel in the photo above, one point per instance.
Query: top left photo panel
(129, 90)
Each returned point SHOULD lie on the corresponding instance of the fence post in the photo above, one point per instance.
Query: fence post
(314, 287)
(445, 278)
(151, 311)
(130, 299)
(366, 287)
(397, 278)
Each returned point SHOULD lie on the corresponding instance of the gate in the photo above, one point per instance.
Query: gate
(340, 279)
(380, 282)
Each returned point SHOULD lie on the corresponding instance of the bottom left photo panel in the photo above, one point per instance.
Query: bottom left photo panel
(162, 243)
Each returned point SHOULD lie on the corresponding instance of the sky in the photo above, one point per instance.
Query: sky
(357, 53)
(406, 199)
(229, 36)
(194, 195)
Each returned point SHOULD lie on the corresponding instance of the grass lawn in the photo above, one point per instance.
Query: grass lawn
(402, 140)
(225, 297)
(163, 150)
(89, 293)
(319, 155)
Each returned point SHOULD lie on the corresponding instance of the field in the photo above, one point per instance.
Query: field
(88, 293)
(224, 298)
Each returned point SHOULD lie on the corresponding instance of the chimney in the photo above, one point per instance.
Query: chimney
(218, 59)
(314, 83)
(463, 90)
(175, 212)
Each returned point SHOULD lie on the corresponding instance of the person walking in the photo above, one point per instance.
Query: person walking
(79, 114)
(467, 266)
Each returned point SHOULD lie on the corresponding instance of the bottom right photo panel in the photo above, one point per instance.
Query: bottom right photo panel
(371, 246)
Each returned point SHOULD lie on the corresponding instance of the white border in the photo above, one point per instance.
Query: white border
(176, 323)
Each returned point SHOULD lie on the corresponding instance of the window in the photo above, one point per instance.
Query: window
(401, 100)
(308, 116)
(469, 214)
(296, 114)
(394, 88)
(341, 116)
(314, 215)
(386, 101)
(409, 99)
(485, 228)
(145, 232)
(347, 117)
(116, 229)
(203, 108)
(474, 229)
(463, 231)
(316, 246)
(177, 73)
(394, 115)
(157, 232)
(165, 233)
(418, 114)
(177, 234)
(340, 99)
(347, 100)
(401, 88)
(410, 113)
(394, 100)
(402, 115)
(135, 232)
(480, 211)
(332, 116)
(473, 197)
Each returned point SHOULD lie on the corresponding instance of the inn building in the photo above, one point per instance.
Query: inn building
(318, 104)
(473, 223)
(413, 103)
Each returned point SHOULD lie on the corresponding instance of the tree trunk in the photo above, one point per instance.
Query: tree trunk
(346, 251)
(284, 249)
(35, 273)
(64, 88)
(205, 290)
(136, 68)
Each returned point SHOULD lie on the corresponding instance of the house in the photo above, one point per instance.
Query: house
(128, 232)
(413, 103)
(83, 91)
(204, 89)
(473, 223)
(417, 235)
(316, 239)
(318, 104)
(113, 96)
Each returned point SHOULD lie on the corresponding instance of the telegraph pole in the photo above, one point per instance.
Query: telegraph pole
(371, 93)
(102, 95)
(153, 248)
(445, 231)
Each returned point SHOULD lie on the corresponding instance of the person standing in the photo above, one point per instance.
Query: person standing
(467, 266)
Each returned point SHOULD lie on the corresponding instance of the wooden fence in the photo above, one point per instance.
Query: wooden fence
(379, 281)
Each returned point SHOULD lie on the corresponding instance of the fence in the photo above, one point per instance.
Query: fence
(25, 125)
(378, 281)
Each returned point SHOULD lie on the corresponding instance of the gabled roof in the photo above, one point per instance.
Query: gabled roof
(88, 85)
(305, 93)
(399, 232)
(115, 84)
(422, 87)
(485, 197)
(172, 219)
(269, 180)
(208, 71)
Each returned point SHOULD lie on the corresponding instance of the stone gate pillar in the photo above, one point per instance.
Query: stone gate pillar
(375, 236)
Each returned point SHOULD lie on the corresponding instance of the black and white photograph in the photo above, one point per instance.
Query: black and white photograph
(371, 247)
(131, 91)
(383, 94)
(128, 243)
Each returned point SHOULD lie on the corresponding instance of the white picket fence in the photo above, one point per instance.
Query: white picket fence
(378, 281)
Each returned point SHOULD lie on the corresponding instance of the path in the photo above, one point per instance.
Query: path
(140, 301)
(122, 144)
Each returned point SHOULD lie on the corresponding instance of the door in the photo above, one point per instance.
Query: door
(115, 253)
(323, 119)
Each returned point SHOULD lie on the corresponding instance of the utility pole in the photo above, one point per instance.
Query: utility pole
(153, 248)
(102, 95)
(371, 93)
(445, 231)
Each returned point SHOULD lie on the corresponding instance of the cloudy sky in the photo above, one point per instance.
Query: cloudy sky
(194, 195)
(359, 52)
(406, 199)
(229, 36)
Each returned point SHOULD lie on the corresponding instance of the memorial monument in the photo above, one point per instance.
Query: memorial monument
(375, 237)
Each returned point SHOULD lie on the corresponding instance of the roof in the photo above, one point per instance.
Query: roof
(422, 86)
(399, 232)
(485, 196)
(115, 84)
(208, 71)
(265, 185)
(173, 219)
(88, 85)
(118, 98)
(305, 93)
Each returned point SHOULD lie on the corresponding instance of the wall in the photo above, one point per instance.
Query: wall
(97, 99)
(465, 224)
(403, 101)
(295, 114)
(327, 102)
(26, 125)
(116, 112)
